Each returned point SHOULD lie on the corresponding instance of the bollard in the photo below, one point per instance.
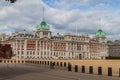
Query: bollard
(109, 71)
(7, 61)
(33, 62)
(22, 61)
(76, 68)
(119, 72)
(57, 64)
(51, 65)
(18, 61)
(48, 62)
(69, 67)
(60, 64)
(91, 70)
(4, 61)
(42, 62)
(54, 63)
(15, 61)
(64, 64)
(83, 69)
(11, 61)
(99, 70)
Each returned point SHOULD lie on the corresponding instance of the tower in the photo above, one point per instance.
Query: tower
(43, 29)
(101, 36)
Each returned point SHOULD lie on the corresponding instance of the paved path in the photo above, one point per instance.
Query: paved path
(42, 72)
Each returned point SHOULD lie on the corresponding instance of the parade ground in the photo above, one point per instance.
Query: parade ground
(43, 72)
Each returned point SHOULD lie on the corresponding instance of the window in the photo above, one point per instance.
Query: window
(45, 33)
(41, 53)
(22, 52)
(48, 47)
(30, 53)
(18, 53)
(33, 53)
(27, 53)
(44, 53)
(22, 57)
(22, 46)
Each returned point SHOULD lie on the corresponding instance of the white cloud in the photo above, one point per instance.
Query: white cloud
(25, 14)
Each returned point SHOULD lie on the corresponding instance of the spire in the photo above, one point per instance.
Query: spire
(24, 32)
(43, 14)
(43, 25)
(100, 22)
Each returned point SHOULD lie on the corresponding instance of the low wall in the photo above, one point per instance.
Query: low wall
(12, 61)
(101, 67)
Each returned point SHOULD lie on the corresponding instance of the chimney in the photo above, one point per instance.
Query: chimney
(24, 32)
(58, 34)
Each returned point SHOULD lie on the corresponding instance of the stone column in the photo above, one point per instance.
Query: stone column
(36, 48)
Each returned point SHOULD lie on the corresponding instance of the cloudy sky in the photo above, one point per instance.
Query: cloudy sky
(63, 16)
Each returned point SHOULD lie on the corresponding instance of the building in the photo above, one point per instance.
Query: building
(43, 45)
(98, 46)
(114, 48)
(5, 51)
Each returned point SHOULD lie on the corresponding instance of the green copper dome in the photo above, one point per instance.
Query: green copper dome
(100, 33)
(43, 26)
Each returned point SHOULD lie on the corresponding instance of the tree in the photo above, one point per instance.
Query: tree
(11, 1)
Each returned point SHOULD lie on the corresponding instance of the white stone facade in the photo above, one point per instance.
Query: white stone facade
(42, 45)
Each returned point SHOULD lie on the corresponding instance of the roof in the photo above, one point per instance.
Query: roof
(43, 26)
(57, 37)
(100, 33)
